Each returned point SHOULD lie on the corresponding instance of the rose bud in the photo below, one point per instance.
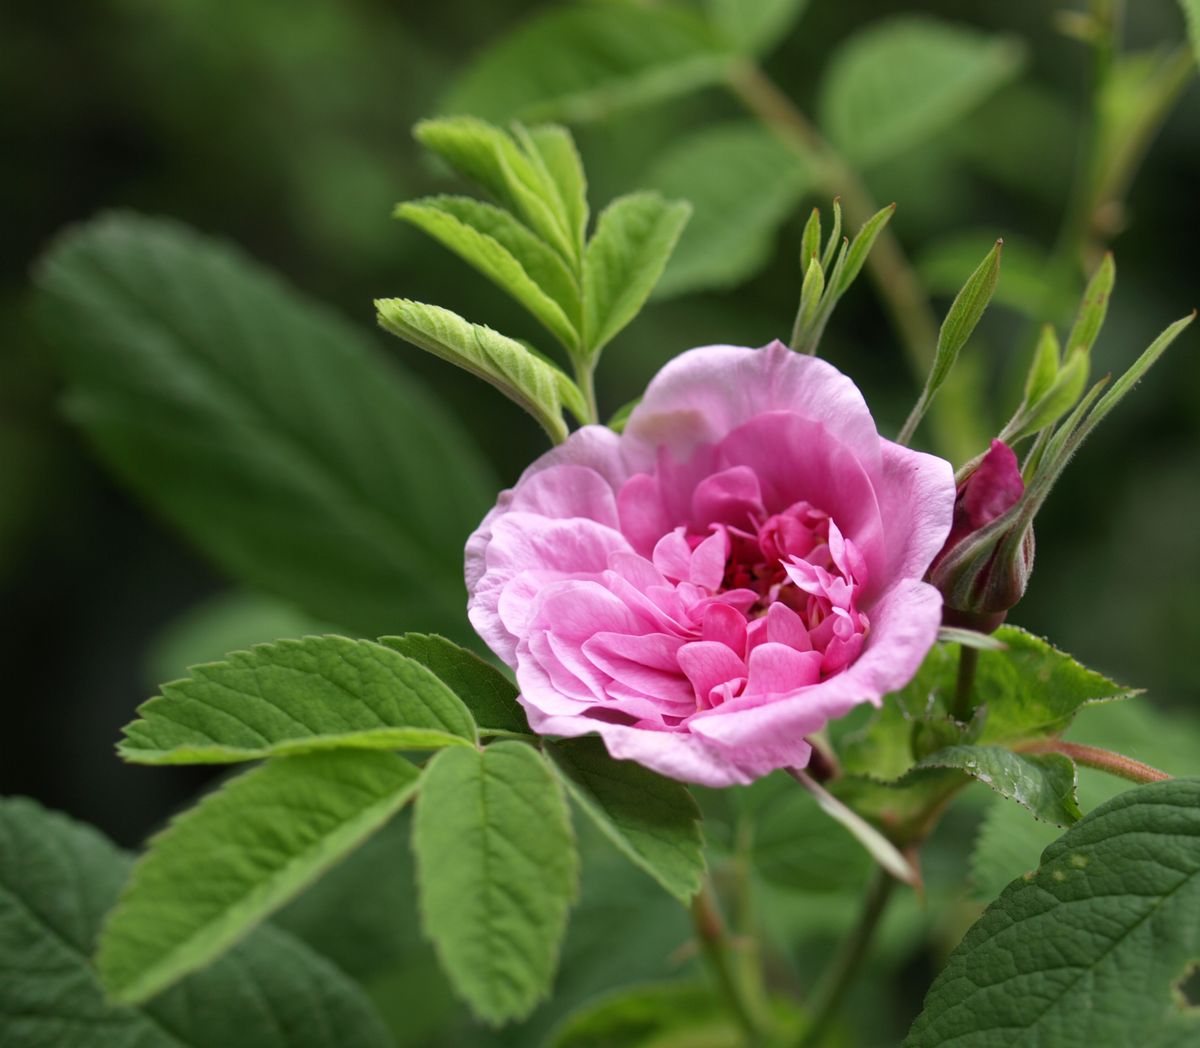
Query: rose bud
(984, 567)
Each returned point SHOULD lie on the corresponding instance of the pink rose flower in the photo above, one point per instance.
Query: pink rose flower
(743, 564)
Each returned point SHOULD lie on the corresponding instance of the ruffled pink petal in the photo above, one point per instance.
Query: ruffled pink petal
(709, 664)
(526, 542)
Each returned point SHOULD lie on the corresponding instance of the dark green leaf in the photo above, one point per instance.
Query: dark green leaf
(263, 427)
(588, 60)
(634, 237)
(497, 870)
(298, 696)
(742, 183)
(485, 691)
(653, 821)
(900, 81)
(57, 880)
(1044, 783)
(240, 854)
(1085, 951)
(797, 846)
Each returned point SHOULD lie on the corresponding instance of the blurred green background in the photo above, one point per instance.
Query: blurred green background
(285, 127)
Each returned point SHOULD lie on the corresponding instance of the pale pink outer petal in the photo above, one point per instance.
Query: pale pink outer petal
(706, 393)
(916, 500)
(595, 448)
(677, 755)
(904, 621)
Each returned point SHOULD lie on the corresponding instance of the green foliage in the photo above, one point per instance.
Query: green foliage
(755, 26)
(945, 263)
(584, 61)
(824, 284)
(1009, 843)
(57, 880)
(485, 691)
(652, 820)
(634, 237)
(230, 621)
(913, 752)
(965, 313)
(1191, 14)
(508, 253)
(240, 854)
(514, 171)
(672, 1013)
(298, 696)
(253, 421)
(497, 870)
(796, 846)
(1093, 308)
(742, 183)
(899, 82)
(524, 377)
(1043, 783)
(1050, 960)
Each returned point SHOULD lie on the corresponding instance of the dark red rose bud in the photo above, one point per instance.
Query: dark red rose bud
(984, 567)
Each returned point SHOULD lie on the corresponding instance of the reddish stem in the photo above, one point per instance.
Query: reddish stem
(1102, 760)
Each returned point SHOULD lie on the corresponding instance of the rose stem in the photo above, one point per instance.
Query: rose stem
(1102, 760)
(968, 659)
(827, 997)
(895, 280)
(710, 932)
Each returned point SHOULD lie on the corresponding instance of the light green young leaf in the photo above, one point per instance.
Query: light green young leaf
(900, 81)
(1049, 962)
(965, 313)
(634, 237)
(496, 871)
(254, 421)
(742, 183)
(555, 148)
(522, 183)
(1043, 783)
(1093, 307)
(484, 690)
(1064, 391)
(755, 26)
(508, 254)
(860, 247)
(945, 263)
(586, 61)
(241, 853)
(521, 376)
(653, 821)
(59, 878)
(811, 291)
(298, 696)
(810, 239)
(1043, 369)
